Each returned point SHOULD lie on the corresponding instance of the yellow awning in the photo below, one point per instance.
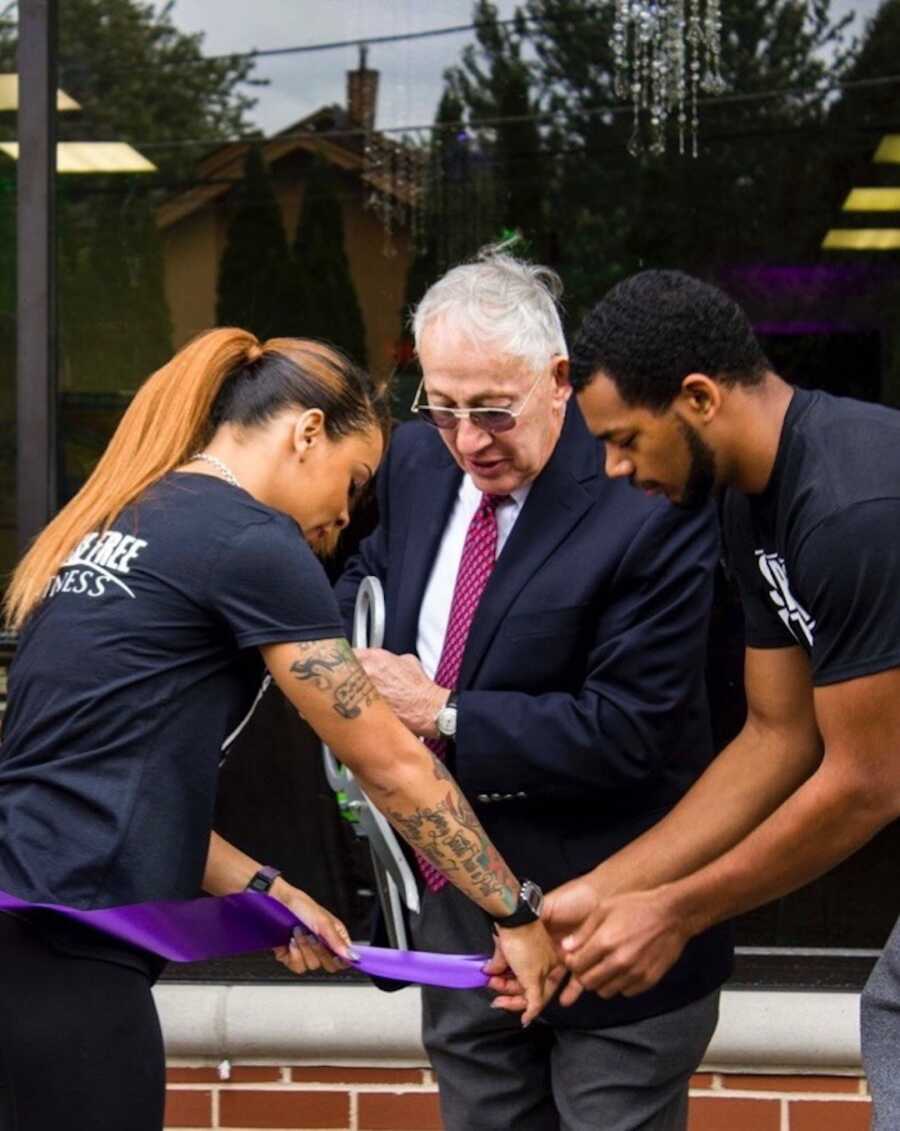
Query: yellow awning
(9, 95)
(862, 239)
(92, 157)
(889, 150)
(873, 200)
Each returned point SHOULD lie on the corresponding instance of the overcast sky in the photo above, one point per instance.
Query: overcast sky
(410, 83)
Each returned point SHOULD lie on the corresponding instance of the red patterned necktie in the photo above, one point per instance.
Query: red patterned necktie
(475, 566)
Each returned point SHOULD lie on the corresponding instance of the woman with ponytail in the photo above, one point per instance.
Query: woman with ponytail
(152, 611)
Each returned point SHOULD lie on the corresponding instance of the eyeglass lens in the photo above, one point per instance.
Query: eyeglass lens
(491, 420)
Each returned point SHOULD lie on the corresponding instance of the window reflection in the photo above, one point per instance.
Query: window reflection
(325, 201)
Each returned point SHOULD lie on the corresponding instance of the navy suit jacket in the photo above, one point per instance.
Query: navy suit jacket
(582, 704)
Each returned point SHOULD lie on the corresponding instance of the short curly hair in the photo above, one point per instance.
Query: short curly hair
(656, 327)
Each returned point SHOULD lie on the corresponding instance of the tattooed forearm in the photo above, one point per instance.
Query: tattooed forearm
(450, 835)
(331, 667)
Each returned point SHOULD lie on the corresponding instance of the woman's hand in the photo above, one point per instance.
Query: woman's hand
(525, 970)
(325, 947)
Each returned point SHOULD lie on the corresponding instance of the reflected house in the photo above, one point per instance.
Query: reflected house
(193, 224)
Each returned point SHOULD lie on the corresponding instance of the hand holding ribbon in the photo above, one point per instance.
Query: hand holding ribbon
(219, 926)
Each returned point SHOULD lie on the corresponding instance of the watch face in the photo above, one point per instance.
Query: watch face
(533, 896)
(446, 721)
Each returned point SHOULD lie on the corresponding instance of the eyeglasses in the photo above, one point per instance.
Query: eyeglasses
(491, 420)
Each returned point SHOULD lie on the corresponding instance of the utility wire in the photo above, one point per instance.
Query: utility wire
(544, 116)
(332, 45)
(401, 37)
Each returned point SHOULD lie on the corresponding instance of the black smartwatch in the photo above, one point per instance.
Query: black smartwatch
(528, 909)
(263, 879)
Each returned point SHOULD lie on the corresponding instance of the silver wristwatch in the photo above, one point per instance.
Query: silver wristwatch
(445, 720)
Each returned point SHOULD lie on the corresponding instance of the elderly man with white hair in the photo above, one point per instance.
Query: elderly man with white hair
(546, 634)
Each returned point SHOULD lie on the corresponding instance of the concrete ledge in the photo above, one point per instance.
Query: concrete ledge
(347, 1024)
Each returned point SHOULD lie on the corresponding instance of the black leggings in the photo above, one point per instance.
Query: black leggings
(80, 1042)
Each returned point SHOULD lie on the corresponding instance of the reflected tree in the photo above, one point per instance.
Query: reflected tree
(322, 300)
(254, 271)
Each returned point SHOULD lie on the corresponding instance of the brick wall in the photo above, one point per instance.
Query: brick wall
(295, 1097)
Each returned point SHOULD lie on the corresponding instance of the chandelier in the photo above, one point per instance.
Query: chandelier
(666, 52)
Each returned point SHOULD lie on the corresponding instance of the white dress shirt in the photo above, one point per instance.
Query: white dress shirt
(435, 611)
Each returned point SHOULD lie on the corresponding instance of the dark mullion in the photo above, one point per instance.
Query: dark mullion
(36, 464)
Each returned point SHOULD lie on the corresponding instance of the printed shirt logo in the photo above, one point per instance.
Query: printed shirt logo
(794, 617)
(98, 561)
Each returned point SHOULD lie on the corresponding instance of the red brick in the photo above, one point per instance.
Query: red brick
(815, 1115)
(845, 1084)
(404, 1111)
(240, 1074)
(188, 1109)
(244, 1108)
(702, 1080)
(337, 1075)
(734, 1115)
(192, 1076)
(253, 1074)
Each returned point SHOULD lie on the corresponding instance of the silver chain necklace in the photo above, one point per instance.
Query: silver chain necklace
(227, 474)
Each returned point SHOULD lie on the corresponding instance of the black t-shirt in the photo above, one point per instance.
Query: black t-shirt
(817, 554)
(131, 677)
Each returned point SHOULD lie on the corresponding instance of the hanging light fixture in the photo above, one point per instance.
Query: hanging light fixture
(666, 52)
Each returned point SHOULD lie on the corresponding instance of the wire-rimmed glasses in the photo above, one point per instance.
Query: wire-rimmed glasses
(488, 419)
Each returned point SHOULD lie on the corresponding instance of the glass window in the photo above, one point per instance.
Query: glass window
(318, 185)
(8, 107)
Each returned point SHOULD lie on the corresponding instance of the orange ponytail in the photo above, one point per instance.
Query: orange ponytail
(166, 422)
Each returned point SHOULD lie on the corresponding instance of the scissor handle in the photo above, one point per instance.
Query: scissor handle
(368, 632)
(368, 615)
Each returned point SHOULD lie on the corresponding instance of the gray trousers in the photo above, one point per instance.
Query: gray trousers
(880, 1026)
(495, 1076)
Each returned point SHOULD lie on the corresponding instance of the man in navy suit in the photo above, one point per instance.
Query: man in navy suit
(571, 615)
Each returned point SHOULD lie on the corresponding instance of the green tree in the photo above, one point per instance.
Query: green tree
(323, 302)
(458, 218)
(859, 118)
(497, 88)
(139, 79)
(607, 213)
(873, 105)
(869, 105)
(254, 268)
(442, 158)
(114, 322)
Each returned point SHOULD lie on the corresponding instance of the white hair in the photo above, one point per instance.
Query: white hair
(500, 301)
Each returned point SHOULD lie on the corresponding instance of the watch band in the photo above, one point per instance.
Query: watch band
(528, 908)
(263, 879)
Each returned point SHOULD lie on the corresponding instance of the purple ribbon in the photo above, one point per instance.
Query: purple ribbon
(216, 927)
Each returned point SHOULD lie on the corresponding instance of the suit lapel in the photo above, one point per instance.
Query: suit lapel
(428, 508)
(556, 502)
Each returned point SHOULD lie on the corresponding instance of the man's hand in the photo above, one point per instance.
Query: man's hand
(569, 905)
(400, 680)
(565, 909)
(625, 944)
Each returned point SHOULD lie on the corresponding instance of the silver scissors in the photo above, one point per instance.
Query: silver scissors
(394, 879)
